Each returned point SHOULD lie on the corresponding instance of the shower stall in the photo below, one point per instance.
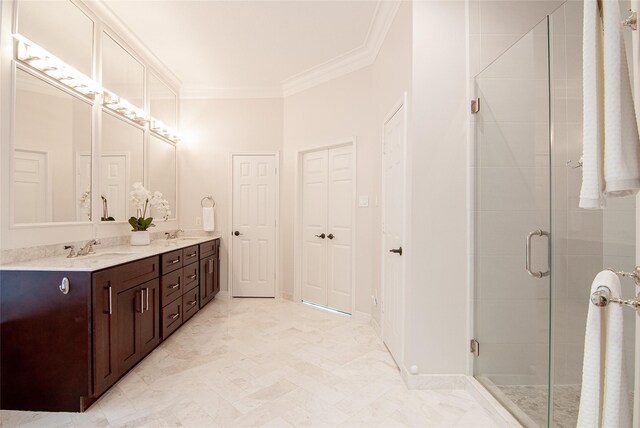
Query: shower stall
(530, 326)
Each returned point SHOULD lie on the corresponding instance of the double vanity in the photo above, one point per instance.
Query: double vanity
(71, 327)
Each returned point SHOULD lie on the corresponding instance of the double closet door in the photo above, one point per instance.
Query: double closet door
(327, 225)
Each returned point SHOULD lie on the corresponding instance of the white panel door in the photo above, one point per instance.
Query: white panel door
(392, 233)
(113, 180)
(339, 218)
(314, 226)
(327, 211)
(31, 187)
(254, 226)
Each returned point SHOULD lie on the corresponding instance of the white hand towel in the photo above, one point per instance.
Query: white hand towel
(208, 219)
(591, 194)
(621, 142)
(616, 409)
(604, 396)
(589, 415)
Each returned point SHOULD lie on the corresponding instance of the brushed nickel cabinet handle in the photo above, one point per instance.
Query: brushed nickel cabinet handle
(192, 255)
(192, 276)
(142, 301)
(174, 261)
(174, 286)
(192, 303)
(146, 306)
(174, 316)
(110, 302)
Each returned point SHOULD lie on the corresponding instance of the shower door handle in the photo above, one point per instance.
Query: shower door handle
(528, 254)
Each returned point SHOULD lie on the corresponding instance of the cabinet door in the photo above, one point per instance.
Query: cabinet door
(150, 317)
(129, 304)
(105, 371)
(216, 275)
(206, 280)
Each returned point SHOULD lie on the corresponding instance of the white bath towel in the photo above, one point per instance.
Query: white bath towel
(611, 147)
(616, 408)
(208, 219)
(604, 396)
(592, 192)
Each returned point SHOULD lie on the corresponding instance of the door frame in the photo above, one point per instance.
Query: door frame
(297, 218)
(406, 234)
(276, 155)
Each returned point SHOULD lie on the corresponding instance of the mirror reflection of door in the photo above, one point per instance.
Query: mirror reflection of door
(31, 186)
(113, 181)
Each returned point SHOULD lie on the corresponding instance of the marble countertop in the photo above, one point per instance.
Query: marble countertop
(106, 257)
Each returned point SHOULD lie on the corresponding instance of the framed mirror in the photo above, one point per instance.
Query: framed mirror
(164, 102)
(51, 165)
(122, 74)
(162, 171)
(121, 165)
(59, 27)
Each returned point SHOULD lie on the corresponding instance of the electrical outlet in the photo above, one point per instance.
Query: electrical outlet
(198, 221)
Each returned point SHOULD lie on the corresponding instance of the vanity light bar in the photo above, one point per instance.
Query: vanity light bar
(161, 129)
(35, 56)
(123, 107)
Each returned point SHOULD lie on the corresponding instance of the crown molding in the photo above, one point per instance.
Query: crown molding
(206, 92)
(115, 24)
(351, 61)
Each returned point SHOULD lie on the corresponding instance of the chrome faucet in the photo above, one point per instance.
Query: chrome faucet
(72, 252)
(88, 248)
(173, 234)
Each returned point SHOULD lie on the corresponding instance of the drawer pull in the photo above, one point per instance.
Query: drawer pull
(192, 276)
(192, 303)
(174, 261)
(192, 255)
(110, 302)
(174, 316)
(174, 286)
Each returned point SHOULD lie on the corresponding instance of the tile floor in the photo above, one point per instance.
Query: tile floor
(267, 363)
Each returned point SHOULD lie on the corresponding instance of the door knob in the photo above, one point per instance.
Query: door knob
(321, 236)
(237, 233)
(330, 236)
(396, 251)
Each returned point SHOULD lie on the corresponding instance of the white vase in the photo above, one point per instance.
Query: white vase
(140, 237)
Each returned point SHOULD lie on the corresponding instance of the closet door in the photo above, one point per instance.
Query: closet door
(339, 227)
(314, 226)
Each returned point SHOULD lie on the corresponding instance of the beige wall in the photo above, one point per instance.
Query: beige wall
(211, 130)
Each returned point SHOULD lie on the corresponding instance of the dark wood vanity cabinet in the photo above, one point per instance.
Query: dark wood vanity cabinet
(60, 352)
(209, 271)
(125, 318)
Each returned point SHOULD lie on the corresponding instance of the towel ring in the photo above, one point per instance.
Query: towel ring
(209, 198)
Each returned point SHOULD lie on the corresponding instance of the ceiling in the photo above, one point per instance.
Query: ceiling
(235, 48)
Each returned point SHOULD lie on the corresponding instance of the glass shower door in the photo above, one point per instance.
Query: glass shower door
(512, 213)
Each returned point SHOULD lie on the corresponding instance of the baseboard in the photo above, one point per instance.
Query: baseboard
(433, 381)
(492, 405)
(361, 317)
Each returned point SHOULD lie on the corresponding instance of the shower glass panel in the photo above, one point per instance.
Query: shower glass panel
(512, 199)
(585, 241)
(528, 143)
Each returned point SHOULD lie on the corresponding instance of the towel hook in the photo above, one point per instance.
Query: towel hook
(207, 198)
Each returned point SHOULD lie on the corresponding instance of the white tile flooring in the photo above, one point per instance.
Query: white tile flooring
(267, 363)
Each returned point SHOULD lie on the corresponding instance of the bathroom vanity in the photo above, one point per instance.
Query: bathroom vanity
(72, 327)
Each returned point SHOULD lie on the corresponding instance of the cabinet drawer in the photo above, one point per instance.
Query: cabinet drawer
(131, 274)
(190, 255)
(190, 303)
(171, 261)
(171, 317)
(209, 248)
(190, 276)
(171, 286)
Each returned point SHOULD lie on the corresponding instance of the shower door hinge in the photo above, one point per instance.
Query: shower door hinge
(474, 347)
(475, 106)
